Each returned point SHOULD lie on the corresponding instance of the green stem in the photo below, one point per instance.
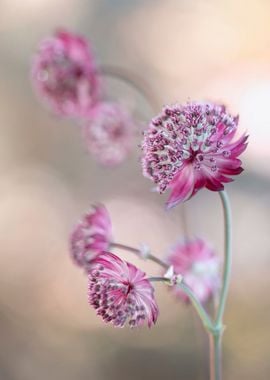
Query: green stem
(227, 257)
(208, 324)
(150, 256)
(216, 334)
(215, 356)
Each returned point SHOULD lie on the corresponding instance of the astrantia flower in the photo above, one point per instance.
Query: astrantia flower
(64, 74)
(196, 261)
(90, 236)
(109, 133)
(120, 292)
(191, 146)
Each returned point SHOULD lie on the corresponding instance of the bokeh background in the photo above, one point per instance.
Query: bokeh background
(185, 49)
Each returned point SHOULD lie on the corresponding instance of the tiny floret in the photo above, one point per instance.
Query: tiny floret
(109, 133)
(192, 146)
(91, 235)
(198, 265)
(173, 279)
(64, 74)
(121, 293)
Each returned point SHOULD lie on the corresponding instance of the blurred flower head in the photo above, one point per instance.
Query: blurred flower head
(191, 146)
(196, 261)
(109, 133)
(121, 293)
(64, 74)
(91, 235)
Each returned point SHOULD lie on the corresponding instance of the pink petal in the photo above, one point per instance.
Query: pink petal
(182, 186)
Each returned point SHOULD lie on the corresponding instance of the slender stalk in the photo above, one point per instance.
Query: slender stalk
(158, 279)
(208, 324)
(216, 334)
(227, 258)
(215, 356)
(150, 256)
(135, 81)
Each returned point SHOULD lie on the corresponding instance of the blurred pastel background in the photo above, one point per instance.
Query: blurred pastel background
(185, 49)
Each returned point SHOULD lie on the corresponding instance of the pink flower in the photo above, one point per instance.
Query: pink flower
(90, 236)
(191, 146)
(109, 133)
(64, 74)
(120, 292)
(198, 265)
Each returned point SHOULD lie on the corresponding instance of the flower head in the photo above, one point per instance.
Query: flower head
(120, 292)
(90, 236)
(109, 132)
(198, 265)
(191, 146)
(64, 74)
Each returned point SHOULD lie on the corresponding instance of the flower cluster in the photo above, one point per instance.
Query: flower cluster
(120, 292)
(192, 146)
(187, 147)
(67, 79)
(65, 75)
(198, 264)
(91, 235)
(108, 131)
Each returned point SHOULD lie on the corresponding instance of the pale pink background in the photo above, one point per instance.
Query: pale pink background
(187, 49)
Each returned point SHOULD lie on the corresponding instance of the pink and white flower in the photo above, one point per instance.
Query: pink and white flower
(192, 146)
(197, 262)
(92, 235)
(64, 74)
(109, 133)
(121, 293)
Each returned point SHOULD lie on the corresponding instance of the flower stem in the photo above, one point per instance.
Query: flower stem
(150, 256)
(206, 320)
(228, 256)
(215, 356)
(134, 80)
(208, 324)
(216, 334)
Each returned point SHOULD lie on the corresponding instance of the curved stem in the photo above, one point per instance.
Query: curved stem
(138, 253)
(228, 256)
(208, 324)
(135, 81)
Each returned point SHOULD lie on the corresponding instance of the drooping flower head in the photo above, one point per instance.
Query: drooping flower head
(64, 74)
(92, 235)
(121, 293)
(109, 133)
(196, 261)
(191, 146)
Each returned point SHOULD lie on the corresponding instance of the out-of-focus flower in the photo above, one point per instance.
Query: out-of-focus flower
(196, 261)
(64, 74)
(120, 292)
(191, 146)
(109, 133)
(92, 235)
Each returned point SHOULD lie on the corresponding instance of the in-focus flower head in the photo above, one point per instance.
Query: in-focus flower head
(196, 261)
(109, 133)
(64, 74)
(92, 235)
(191, 146)
(121, 293)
